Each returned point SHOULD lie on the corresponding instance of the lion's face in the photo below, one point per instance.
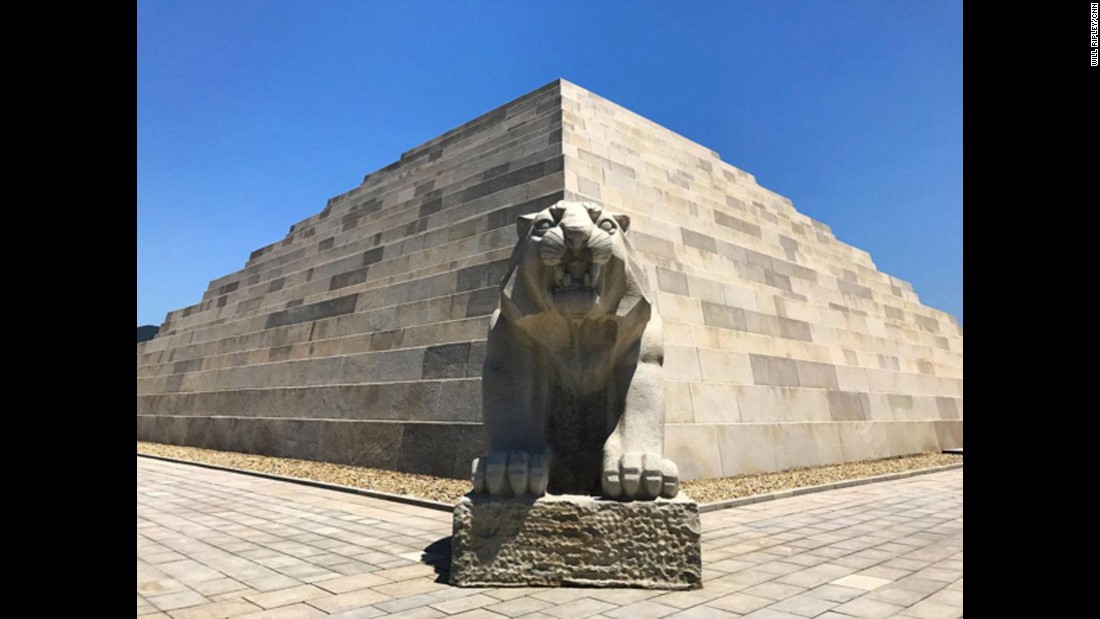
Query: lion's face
(572, 259)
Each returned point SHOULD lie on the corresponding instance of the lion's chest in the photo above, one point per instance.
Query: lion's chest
(582, 353)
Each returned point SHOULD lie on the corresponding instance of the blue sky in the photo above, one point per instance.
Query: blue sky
(251, 114)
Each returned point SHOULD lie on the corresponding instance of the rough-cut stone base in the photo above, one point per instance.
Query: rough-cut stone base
(576, 540)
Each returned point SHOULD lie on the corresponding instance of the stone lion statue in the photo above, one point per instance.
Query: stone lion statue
(572, 390)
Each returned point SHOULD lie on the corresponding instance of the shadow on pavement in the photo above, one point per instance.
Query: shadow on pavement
(438, 555)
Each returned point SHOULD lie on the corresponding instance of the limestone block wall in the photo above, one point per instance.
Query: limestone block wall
(784, 346)
(359, 337)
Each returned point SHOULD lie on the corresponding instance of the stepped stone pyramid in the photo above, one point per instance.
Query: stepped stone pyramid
(359, 338)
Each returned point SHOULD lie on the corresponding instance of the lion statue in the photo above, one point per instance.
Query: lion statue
(572, 391)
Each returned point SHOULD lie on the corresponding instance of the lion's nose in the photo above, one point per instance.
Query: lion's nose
(576, 238)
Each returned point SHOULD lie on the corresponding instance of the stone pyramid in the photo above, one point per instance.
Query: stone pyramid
(359, 337)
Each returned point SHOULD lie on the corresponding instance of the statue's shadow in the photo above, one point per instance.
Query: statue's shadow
(438, 555)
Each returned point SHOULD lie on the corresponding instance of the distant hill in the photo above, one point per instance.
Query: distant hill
(146, 332)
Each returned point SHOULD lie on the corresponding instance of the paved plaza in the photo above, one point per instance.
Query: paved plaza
(220, 544)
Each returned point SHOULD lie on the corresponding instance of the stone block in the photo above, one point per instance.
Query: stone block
(768, 370)
(811, 374)
(681, 363)
(694, 449)
(575, 540)
(848, 405)
(758, 403)
(714, 403)
(746, 448)
(796, 446)
(678, 407)
(949, 434)
(725, 367)
(672, 281)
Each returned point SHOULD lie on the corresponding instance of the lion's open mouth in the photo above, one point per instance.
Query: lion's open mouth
(576, 276)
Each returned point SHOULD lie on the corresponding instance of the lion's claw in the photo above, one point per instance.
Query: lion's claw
(511, 473)
(640, 476)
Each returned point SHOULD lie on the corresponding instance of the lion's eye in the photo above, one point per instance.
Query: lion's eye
(543, 226)
(607, 225)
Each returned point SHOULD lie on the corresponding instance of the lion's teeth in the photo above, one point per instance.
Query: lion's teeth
(567, 281)
(594, 272)
(587, 280)
(559, 272)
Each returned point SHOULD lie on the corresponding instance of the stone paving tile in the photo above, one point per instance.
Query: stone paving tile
(409, 587)
(582, 607)
(742, 603)
(703, 612)
(284, 597)
(627, 596)
(175, 601)
(835, 593)
(808, 559)
(518, 606)
(730, 565)
(451, 593)
(905, 564)
(647, 609)
(695, 597)
(920, 585)
(804, 605)
(895, 595)
(420, 612)
(770, 613)
(163, 557)
(406, 572)
(934, 573)
(273, 582)
(947, 596)
(363, 612)
(856, 562)
(861, 581)
(559, 595)
(814, 576)
(399, 604)
(347, 601)
(928, 609)
(353, 583)
(294, 611)
(478, 613)
(218, 585)
(225, 537)
(746, 578)
(775, 590)
(215, 610)
(468, 602)
(232, 595)
(866, 608)
(161, 586)
(511, 593)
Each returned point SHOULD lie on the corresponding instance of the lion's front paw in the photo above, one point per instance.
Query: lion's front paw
(640, 476)
(511, 473)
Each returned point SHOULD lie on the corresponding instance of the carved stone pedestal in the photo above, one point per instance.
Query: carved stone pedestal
(576, 540)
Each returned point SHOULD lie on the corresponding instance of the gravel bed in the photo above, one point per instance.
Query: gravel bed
(725, 488)
(450, 490)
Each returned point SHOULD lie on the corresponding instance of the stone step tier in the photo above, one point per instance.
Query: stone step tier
(359, 337)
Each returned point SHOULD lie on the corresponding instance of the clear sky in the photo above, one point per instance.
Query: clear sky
(252, 113)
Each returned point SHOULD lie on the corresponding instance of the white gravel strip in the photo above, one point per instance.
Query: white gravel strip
(715, 493)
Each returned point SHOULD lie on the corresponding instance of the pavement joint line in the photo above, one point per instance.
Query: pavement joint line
(446, 507)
